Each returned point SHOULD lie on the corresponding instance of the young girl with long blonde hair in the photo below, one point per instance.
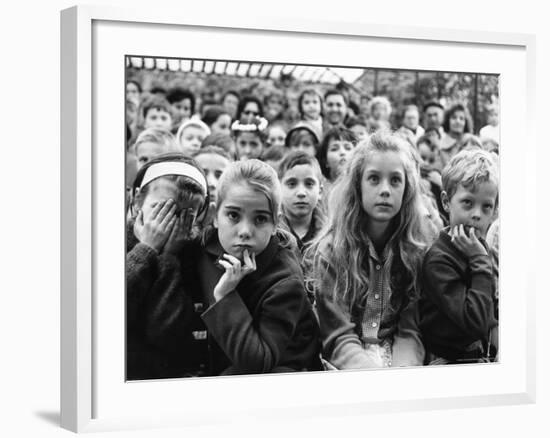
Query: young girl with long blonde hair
(367, 259)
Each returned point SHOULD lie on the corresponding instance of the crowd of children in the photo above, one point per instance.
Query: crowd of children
(337, 242)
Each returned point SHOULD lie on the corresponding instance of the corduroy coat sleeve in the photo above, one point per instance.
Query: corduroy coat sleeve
(469, 304)
(256, 345)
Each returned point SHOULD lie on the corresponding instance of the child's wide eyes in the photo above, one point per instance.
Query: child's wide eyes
(262, 219)
(373, 178)
(233, 215)
(396, 180)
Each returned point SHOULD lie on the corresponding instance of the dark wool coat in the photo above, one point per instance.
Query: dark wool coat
(164, 333)
(267, 324)
(458, 306)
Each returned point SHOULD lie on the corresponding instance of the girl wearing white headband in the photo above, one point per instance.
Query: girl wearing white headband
(169, 193)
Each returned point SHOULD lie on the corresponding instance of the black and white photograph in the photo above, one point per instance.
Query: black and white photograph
(286, 218)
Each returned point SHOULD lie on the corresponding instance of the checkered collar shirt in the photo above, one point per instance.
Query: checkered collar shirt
(378, 294)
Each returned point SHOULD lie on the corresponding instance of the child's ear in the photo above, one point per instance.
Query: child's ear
(445, 201)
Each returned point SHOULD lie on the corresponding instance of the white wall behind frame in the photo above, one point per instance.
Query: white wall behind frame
(30, 205)
(113, 40)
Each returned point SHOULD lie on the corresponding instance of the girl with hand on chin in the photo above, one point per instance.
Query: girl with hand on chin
(259, 319)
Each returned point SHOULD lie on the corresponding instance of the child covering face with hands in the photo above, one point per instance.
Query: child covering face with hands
(169, 192)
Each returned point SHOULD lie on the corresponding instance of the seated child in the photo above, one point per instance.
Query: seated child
(367, 259)
(191, 134)
(157, 113)
(273, 156)
(165, 336)
(182, 102)
(359, 128)
(218, 120)
(310, 107)
(213, 160)
(430, 171)
(223, 141)
(151, 143)
(379, 111)
(276, 134)
(335, 151)
(301, 182)
(249, 136)
(458, 305)
(491, 130)
(259, 319)
(302, 137)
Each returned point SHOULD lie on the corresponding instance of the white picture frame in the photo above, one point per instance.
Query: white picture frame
(93, 398)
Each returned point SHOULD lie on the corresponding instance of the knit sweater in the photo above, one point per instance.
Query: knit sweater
(163, 329)
(458, 306)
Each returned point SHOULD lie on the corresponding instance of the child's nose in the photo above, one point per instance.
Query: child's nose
(384, 188)
(476, 213)
(244, 229)
(211, 180)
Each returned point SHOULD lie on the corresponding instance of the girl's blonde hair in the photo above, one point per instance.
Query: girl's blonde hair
(263, 179)
(158, 136)
(342, 244)
(258, 175)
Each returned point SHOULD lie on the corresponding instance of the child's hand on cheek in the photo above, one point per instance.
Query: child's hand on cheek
(234, 273)
(469, 244)
(155, 229)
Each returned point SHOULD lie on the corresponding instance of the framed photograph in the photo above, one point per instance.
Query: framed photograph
(104, 49)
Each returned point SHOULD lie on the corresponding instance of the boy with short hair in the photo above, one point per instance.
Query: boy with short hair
(191, 134)
(459, 299)
(182, 102)
(157, 113)
(301, 183)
